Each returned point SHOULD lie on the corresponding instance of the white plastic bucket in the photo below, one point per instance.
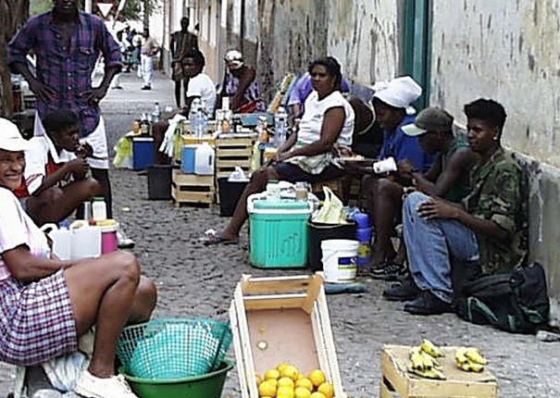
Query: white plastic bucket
(339, 260)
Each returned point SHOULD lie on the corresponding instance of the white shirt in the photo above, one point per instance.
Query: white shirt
(312, 120)
(36, 159)
(17, 229)
(202, 86)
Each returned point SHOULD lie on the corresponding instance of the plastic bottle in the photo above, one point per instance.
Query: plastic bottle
(99, 209)
(204, 160)
(280, 126)
(204, 118)
(272, 190)
(62, 241)
(156, 113)
(144, 125)
(363, 235)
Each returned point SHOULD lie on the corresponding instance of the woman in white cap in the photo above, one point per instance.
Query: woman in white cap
(46, 304)
(240, 85)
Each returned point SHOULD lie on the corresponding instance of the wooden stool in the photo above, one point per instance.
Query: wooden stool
(398, 383)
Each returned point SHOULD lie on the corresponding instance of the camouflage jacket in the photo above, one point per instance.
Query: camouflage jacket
(500, 194)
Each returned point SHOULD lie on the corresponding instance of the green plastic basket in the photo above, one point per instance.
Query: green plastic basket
(210, 385)
(165, 349)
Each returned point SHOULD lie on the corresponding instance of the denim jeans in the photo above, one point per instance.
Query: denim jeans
(432, 244)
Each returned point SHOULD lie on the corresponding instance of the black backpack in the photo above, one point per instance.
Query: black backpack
(516, 302)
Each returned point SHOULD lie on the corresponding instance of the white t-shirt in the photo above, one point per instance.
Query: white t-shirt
(16, 229)
(36, 159)
(202, 86)
(312, 120)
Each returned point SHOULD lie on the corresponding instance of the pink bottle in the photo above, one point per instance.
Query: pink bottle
(109, 242)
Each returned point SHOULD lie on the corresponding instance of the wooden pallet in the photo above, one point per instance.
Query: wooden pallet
(398, 383)
(233, 152)
(290, 314)
(191, 188)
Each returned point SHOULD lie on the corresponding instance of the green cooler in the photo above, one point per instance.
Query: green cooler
(277, 232)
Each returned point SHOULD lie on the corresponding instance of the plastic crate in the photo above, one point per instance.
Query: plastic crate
(278, 233)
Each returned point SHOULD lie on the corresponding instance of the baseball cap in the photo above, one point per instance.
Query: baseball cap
(10, 137)
(399, 92)
(430, 119)
(234, 59)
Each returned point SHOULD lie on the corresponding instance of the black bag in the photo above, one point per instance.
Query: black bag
(516, 302)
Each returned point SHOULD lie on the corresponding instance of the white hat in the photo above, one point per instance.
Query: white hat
(10, 137)
(234, 59)
(399, 92)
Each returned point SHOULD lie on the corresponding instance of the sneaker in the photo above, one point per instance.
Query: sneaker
(90, 386)
(390, 272)
(146, 88)
(428, 304)
(123, 241)
(406, 291)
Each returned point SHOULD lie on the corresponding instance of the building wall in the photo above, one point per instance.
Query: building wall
(364, 36)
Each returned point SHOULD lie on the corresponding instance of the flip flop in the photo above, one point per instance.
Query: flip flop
(214, 239)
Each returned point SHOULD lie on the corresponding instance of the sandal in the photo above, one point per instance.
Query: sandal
(390, 272)
(215, 239)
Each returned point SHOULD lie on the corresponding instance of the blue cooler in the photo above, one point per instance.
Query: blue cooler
(278, 232)
(188, 159)
(143, 153)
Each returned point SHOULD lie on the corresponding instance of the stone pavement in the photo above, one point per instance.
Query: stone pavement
(197, 281)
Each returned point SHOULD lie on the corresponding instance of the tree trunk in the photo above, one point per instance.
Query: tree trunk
(13, 13)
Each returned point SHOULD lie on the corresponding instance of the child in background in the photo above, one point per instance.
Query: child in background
(56, 179)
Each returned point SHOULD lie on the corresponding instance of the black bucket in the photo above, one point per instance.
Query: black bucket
(319, 232)
(159, 182)
(230, 192)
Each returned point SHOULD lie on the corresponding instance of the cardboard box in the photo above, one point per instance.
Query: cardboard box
(282, 319)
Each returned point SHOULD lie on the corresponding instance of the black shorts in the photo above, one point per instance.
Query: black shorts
(292, 173)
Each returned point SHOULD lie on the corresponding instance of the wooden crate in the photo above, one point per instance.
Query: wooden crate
(291, 316)
(191, 188)
(233, 152)
(397, 382)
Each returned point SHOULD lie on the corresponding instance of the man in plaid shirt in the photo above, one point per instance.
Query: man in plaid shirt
(67, 44)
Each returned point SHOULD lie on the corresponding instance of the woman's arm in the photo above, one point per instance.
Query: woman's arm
(244, 83)
(330, 131)
(26, 267)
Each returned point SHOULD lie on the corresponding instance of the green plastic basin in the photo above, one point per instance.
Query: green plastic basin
(209, 385)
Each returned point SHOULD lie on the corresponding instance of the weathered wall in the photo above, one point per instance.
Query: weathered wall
(506, 50)
(364, 36)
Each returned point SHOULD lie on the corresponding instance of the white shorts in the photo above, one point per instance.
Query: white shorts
(97, 139)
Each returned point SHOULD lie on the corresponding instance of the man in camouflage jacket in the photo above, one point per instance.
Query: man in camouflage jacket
(488, 231)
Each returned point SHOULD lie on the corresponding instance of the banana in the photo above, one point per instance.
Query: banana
(416, 359)
(430, 348)
(471, 367)
(460, 356)
(474, 356)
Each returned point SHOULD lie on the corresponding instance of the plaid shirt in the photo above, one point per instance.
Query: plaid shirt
(67, 71)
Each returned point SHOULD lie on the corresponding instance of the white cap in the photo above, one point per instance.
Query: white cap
(234, 59)
(399, 92)
(10, 137)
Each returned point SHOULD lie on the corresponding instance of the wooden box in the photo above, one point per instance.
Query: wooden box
(397, 382)
(232, 152)
(191, 188)
(282, 319)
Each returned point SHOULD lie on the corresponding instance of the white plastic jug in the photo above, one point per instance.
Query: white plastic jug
(61, 240)
(204, 160)
(339, 260)
(86, 240)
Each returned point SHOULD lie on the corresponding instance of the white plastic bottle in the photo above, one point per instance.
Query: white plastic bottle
(204, 160)
(99, 209)
(280, 127)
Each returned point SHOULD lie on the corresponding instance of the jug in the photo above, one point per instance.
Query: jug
(61, 240)
(204, 160)
(86, 240)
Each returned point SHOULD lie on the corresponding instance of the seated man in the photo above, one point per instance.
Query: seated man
(200, 86)
(487, 231)
(307, 154)
(56, 181)
(448, 178)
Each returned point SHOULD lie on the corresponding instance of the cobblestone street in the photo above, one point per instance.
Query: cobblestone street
(197, 281)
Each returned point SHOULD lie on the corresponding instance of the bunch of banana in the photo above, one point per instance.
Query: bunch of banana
(470, 359)
(423, 361)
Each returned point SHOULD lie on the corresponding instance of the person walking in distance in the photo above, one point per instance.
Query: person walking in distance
(150, 48)
(67, 44)
(181, 42)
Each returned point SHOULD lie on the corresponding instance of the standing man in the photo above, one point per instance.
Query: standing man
(150, 48)
(67, 44)
(181, 42)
